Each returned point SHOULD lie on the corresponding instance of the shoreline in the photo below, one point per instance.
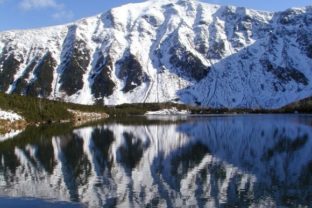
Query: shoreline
(7, 126)
(79, 114)
(78, 118)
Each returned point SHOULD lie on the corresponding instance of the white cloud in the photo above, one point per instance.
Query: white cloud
(63, 15)
(39, 4)
(59, 11)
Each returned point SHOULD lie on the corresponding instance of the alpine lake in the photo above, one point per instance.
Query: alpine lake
(161, 161)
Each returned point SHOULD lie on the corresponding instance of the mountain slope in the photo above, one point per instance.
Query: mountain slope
(168, 50)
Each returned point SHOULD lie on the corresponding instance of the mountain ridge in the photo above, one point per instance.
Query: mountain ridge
(159, 51)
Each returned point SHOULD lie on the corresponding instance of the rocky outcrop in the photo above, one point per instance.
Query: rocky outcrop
(9, 64)
(41, 86)
(103, 85)
(81, 117)
(131, 73)
(76, 59)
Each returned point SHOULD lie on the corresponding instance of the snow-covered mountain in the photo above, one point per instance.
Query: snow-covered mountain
(166, 50)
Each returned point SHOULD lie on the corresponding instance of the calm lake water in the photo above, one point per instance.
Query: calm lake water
(216, 161)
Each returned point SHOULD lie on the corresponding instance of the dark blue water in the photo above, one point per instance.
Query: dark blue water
(216, 161)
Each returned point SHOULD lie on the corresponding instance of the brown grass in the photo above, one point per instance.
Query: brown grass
(7, 126)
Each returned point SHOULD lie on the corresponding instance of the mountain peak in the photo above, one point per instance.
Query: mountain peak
(165, 51)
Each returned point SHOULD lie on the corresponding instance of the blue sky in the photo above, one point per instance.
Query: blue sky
(20, 14)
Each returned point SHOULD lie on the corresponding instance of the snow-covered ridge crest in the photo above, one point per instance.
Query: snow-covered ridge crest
(165, 51)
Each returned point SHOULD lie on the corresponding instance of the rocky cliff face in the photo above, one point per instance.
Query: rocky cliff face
(168, 50)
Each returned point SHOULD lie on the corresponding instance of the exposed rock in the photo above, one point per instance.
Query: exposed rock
(286, 75)
(305, 40)
(42, 84)
(80, 117)
(188, 64)
(21, 83)
(131, 72)
(103, 85)
(10, 64)
(216, 50)
(75, 63)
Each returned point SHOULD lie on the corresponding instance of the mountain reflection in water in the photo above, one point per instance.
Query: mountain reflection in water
(257, 161)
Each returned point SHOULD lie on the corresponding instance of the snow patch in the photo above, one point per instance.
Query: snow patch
(171, 111)
(10, 116)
